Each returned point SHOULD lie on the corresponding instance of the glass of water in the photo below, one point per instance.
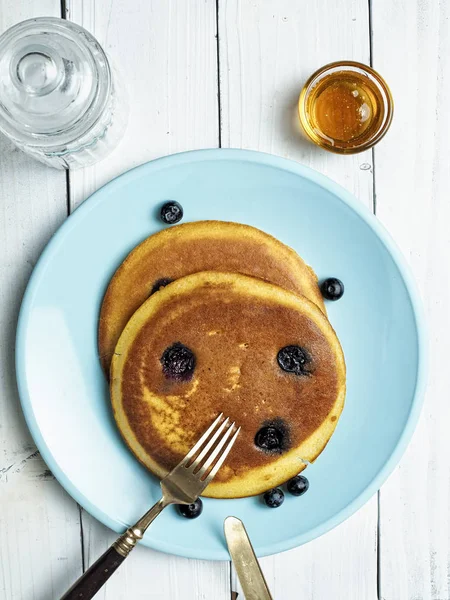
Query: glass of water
(59, 95)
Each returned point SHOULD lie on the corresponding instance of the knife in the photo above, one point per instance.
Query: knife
(245, 562)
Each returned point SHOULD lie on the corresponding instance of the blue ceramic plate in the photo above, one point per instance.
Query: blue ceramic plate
(65, 397)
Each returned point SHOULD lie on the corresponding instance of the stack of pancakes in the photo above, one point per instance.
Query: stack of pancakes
(212, 317)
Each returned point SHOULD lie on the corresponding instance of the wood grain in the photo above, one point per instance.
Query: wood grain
(411, 48)
(39, 524)
(267, 51)
(170, 62)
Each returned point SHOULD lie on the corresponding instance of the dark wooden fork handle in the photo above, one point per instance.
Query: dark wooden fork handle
(96, 576)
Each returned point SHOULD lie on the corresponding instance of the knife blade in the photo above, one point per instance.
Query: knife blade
(245, 562)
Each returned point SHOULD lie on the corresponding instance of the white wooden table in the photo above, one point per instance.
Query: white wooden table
(208, 73)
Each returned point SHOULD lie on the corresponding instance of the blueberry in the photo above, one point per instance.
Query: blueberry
(274, 498)
(332, 288)
(178, 362)
(171, 212)
(294, 359)
(160, 283)
(269, 438)
(273, 437)
(298, 485)
(191, 511)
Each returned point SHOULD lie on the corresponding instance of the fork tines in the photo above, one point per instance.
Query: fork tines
(209, 453)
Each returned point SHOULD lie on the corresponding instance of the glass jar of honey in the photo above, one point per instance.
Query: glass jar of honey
(345, 107)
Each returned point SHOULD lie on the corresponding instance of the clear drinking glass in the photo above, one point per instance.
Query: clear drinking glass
(59, 95)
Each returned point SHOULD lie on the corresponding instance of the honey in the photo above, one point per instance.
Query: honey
(345, 107)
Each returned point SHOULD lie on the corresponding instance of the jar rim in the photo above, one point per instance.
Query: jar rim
(347, 65)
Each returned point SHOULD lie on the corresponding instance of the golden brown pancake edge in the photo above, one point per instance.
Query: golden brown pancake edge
(193, 247)
(276, 469)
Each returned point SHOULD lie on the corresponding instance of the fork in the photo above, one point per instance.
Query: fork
(183, 485)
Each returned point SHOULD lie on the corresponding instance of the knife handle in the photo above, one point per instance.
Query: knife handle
(96, 576)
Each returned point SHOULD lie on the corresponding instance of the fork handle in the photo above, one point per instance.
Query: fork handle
(98, 574)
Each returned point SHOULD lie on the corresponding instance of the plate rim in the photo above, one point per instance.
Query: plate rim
(341, 194)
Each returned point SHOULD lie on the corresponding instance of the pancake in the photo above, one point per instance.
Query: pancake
(210, 343)
(190, 248)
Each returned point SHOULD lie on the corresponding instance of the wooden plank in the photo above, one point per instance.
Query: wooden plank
(168, 51)
(267, 50)
(411, 48)
(40, 552)
(149, 574)
(331, 567)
